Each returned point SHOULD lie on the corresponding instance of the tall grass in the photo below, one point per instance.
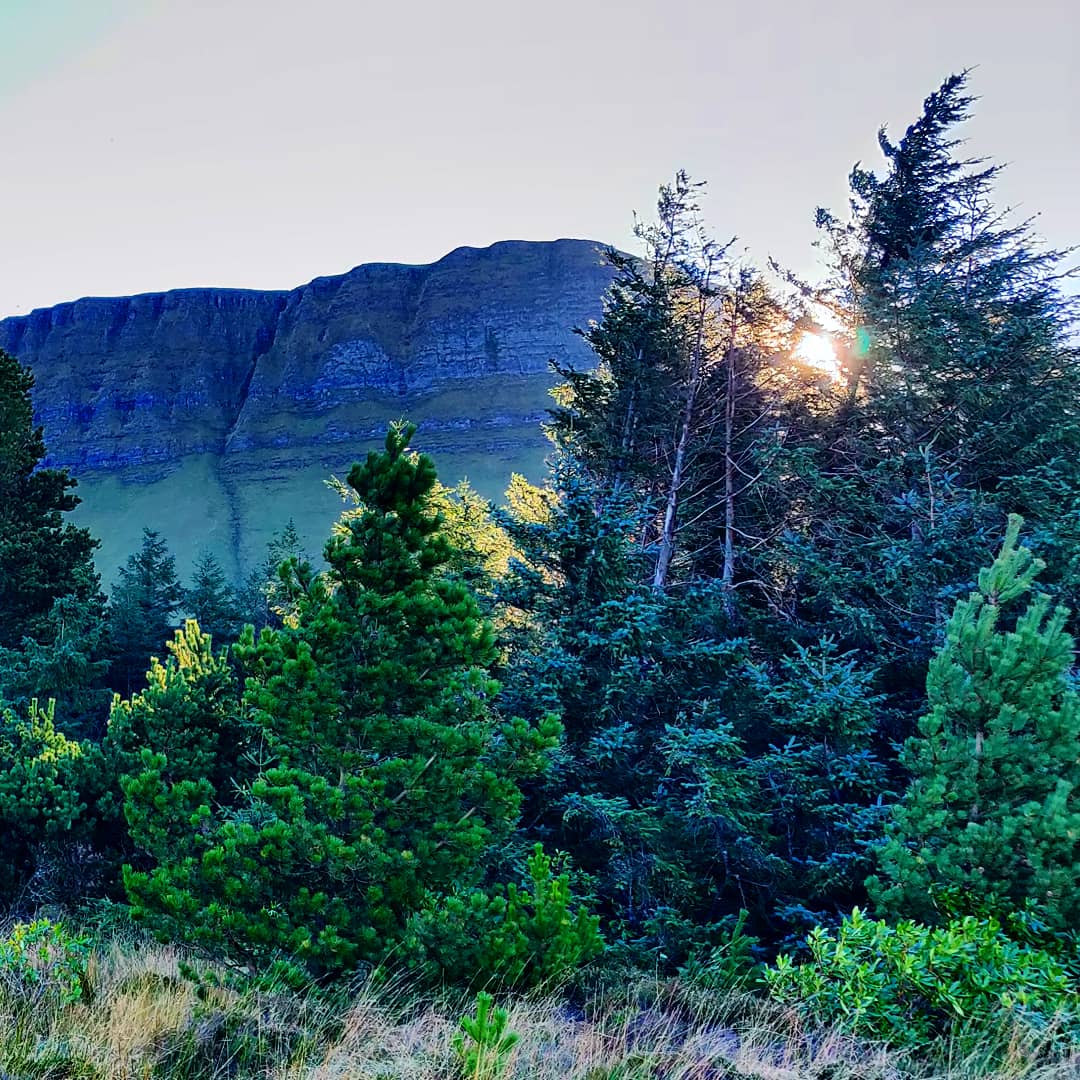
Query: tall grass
(143, 1020)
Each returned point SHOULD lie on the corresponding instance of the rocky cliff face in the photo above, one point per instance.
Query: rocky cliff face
(215, 415)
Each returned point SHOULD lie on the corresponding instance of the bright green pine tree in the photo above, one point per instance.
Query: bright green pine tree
(181, 739)
(480, 547)
(43, 780)
(142, 610)
(991, 819)
(50, 595)
(211, 601)
(378, 775)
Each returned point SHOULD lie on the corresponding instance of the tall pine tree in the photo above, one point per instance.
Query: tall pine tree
(142, 610)
(991, 819)
(378, 776)
(51, 605)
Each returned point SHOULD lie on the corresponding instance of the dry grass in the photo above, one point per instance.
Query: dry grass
(145, 1021)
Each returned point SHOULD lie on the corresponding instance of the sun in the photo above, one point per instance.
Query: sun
(818, 351)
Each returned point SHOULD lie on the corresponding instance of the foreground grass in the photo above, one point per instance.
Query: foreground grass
(141, 1019)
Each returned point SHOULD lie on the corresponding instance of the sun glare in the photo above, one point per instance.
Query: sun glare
(818, 351)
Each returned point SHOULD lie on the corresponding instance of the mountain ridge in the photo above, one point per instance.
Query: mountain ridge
(232, 397)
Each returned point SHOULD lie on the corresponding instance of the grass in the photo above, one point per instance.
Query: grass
(232, 504)
(143, 1020)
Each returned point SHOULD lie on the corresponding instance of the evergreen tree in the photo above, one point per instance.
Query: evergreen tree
(823, 787)
(70, 671)
(649, 793)
(378, 776)
(182, 739)
(958, 402)
(480, 547)
(142, 610)
(700, 773)
(211, 601)
(991, 818)
(260, 599)
(50, 596)
(44, 780)
(683, 407)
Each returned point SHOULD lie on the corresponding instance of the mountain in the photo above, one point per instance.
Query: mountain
(215, 415)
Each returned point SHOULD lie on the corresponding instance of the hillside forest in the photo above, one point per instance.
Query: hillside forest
(766, 693)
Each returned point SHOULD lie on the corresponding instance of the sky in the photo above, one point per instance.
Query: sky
(155, 144)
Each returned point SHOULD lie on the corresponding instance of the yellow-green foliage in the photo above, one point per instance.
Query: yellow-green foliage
(912, 985)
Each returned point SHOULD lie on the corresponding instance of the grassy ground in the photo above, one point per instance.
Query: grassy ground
(141, 1019)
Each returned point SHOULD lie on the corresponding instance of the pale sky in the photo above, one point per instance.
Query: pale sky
(153, 144)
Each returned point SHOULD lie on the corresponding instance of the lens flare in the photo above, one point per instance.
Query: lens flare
(817, 351)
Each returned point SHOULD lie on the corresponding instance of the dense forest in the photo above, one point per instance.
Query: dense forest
(767, 690)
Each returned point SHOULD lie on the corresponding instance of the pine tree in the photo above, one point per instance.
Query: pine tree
(142, 610)
(44, 777)
(958, 403)
(991, 818)
(50, 595)
(683, 406)
(378, 774)
(211, 601)
(260, 599)
(181, 737)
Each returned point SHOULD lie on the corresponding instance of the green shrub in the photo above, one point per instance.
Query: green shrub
(41, 959)
(520, 936)
(910, 984)
(42, 777)
(730, 962)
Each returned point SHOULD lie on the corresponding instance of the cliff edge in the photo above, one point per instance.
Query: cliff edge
(215, 415)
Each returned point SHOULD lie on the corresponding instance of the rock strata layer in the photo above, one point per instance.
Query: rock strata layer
(216, 415)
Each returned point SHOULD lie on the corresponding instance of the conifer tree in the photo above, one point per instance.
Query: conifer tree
(142, 610)
(824, 789)
(958, 403)
(649, 792)
(50, 596)
(44, 777)
(181, 738)
(682, 409)
(991, 819)
(260, 599)
(67, 666)
(42, 556)
(379, 775)
(211, 601)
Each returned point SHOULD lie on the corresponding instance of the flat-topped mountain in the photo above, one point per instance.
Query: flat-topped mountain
(215, 415)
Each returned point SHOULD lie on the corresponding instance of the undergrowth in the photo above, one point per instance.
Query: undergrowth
(137, 1017)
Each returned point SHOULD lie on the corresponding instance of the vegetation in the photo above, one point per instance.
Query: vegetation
(646, 745)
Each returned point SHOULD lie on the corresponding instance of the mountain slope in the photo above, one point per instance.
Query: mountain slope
(215, 415)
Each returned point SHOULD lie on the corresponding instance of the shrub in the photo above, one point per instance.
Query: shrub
(41, 959)
(910, 984)
(728, 963)
(518, 936)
